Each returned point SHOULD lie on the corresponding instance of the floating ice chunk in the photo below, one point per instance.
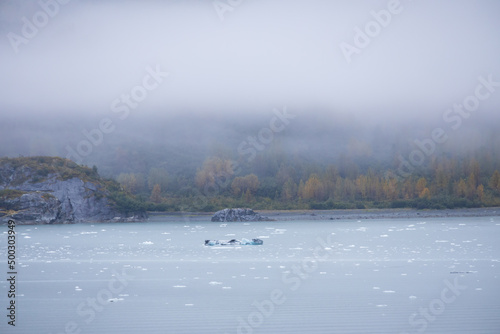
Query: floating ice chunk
(384, 236)
(114, 300)
(77, 288)
(381, 305)
(147, 243)
(389, 291)
(413, 297)
(179, 286)
(215, 283)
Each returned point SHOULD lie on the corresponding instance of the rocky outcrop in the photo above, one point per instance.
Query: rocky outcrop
(55, 196)
(238, 215)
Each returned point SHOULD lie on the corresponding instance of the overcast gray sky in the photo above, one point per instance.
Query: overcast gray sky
(263, 54)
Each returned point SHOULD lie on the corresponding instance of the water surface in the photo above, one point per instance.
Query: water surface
(371, 276)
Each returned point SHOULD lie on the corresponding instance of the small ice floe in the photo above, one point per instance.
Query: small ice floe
(263, 237)
(279, 231)
(188, 304)
(215, 283)
(147, 243)
(479, 289)
(223, 225)
(384, 236)
(413, 297)
(179, 286)
(226, 288)
(27, 237)
(389, 291)
(381, 305)
(444, 241)
(376, 288)
(165, 233)
(77, 288)
(114, 300)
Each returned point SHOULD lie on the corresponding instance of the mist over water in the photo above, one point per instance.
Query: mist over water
(351, 95)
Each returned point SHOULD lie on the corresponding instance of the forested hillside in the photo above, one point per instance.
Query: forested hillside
(206, 163)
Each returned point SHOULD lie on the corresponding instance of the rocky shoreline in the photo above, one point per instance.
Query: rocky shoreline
(379, 214)
(311, 215)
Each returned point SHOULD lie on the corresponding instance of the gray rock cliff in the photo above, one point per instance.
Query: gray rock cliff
(48, 195)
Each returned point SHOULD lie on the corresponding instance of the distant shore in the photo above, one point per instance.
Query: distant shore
(287, 215)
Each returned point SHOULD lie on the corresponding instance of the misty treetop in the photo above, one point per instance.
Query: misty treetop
(193, 163)
(219, 182)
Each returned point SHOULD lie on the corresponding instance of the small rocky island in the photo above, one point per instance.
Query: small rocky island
(238, 215)
(52, 190)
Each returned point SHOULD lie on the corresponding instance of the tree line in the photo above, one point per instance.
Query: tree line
(287, 184)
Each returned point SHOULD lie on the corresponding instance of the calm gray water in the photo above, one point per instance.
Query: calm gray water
(373, 276)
